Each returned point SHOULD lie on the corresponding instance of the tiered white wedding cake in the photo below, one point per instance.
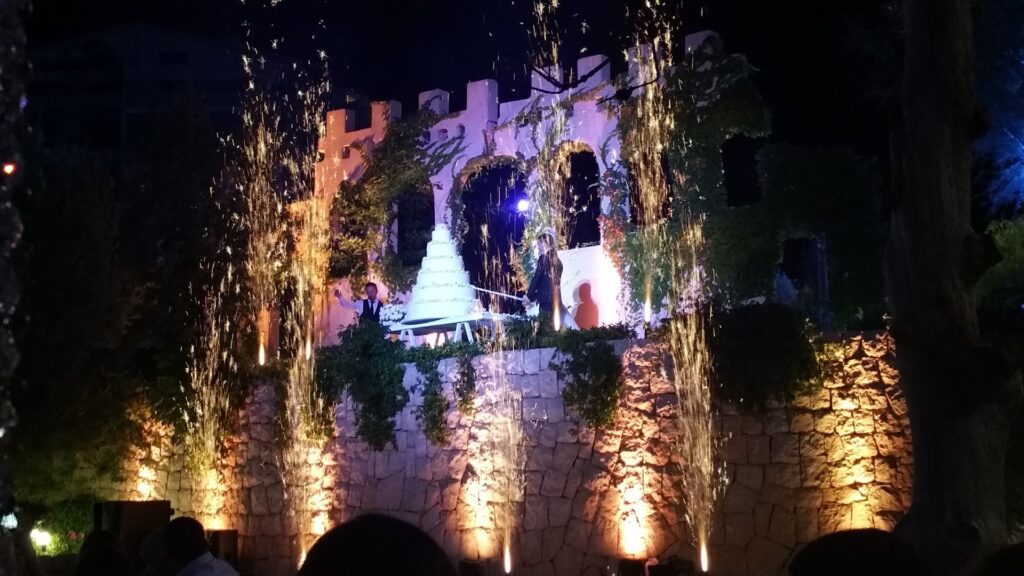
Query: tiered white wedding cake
(442, 288)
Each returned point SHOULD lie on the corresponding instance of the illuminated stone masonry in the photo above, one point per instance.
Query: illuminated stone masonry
(836, 458)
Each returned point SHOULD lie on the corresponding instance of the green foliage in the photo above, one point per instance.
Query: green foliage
(525, 333)
(829, 194)
(465, 386)
(1002, 286)
(368, 367)
(590, 367)
(78, 374)
(395, 180)
(593, 377)
(761, 353)
(68, 522)
(713, 99)
(434, 411)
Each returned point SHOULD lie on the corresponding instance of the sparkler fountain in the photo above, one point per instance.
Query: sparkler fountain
(702, 478)
(651, 115)
(307, 480)
(506, 439)
(547, 202)
(279, 156)
(645, 144)
(209, 364)
(260, 152)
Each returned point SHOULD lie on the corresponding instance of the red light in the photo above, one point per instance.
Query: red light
(10, 168)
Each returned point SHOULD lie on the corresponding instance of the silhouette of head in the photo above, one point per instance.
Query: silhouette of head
(545, 242)
(376, 544)
(585, 293)
(102, 554)
(858, 552)
(371, 291)
(1008, 561)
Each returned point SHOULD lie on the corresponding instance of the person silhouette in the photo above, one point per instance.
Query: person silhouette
(587, 315)
(379, 545)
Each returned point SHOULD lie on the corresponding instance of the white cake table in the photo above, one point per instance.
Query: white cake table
(462, 326)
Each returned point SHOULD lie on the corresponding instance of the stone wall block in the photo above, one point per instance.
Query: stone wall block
(740, 498)
(739, 528)
(775, 422)
(759, 449)
(785, 449)
(787, 475)
(750, 476)
(765, 557)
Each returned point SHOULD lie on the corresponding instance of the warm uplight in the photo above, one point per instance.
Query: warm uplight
(144, 483)
(262, 355)
(215, 523)
(632, 536)
(10, 168)
(41, 538)
(309, 347)
(647, 311)
(508, 559)
(704, 564)
(318, 526)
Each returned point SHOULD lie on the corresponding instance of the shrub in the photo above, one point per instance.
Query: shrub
(369, 368)
(761, 353)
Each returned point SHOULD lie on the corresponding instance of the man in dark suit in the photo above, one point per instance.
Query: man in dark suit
(368, 309)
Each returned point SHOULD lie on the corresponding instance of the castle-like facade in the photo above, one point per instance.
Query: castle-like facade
(492, 132)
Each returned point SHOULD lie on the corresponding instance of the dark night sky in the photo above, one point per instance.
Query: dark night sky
(395, 48)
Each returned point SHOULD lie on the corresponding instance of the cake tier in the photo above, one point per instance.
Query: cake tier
(439, 250)
(440, 302)
(428, 278)
(441, 264)
(441, 234)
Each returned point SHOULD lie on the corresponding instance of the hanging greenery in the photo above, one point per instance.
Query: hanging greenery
(433, 412)
(624, 242)
(393, 188)
(465, 386)
(593, 377)
(368, 367)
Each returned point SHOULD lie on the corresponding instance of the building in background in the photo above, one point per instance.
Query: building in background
(105, 91)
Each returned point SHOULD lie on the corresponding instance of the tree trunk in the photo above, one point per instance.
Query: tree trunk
(958, 390)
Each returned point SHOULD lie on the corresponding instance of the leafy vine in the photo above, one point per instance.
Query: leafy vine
(396, 175)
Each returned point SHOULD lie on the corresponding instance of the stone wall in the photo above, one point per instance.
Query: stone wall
(835, 458)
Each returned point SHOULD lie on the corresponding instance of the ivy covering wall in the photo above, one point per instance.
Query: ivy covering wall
(394, 188)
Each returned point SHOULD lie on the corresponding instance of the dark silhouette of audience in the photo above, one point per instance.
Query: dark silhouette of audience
(102, 554)
(859, 553)
(180, 548)
(376, 545)
(1006, 562)
(587, 315)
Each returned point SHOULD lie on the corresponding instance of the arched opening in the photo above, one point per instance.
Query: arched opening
(739, 170)
(804, 266)
(494, 210)
(582, 201)
(637, 215)
(414, 217)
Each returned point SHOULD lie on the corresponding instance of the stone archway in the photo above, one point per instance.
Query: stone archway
(489, 219)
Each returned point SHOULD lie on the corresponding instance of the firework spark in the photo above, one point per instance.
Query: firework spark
(702, 478)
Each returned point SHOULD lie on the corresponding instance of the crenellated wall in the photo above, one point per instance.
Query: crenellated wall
(835, 458)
